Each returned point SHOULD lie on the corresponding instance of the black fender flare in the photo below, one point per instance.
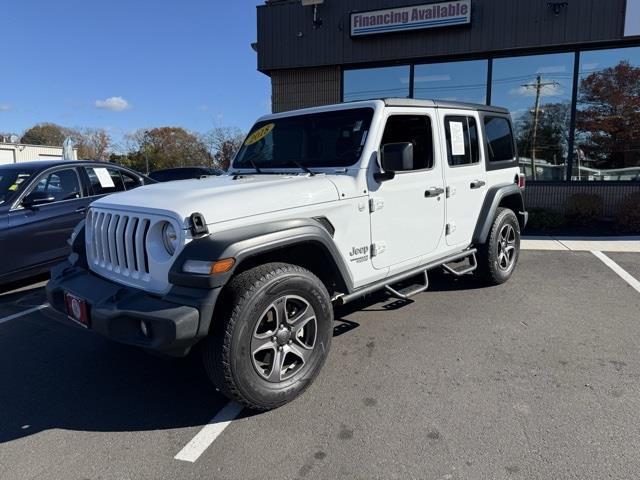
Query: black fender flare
(493, 199)
(245, 242)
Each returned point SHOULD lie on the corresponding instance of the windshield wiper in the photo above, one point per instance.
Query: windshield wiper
(299, 165)
(253, 163)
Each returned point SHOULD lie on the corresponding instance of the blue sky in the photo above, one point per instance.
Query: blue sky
(124, 65)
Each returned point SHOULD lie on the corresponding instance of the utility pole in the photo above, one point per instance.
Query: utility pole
(539, 85)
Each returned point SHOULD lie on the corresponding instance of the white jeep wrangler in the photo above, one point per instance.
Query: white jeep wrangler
(320, 207)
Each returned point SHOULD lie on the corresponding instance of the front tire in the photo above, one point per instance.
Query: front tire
(498, 257)
(272, 337)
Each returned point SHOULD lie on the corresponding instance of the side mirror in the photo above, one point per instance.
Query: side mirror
(37, 198)
(396, 157)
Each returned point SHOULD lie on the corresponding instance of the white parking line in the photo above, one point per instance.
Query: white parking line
(205, 437)
(619, 270)
(22, 314)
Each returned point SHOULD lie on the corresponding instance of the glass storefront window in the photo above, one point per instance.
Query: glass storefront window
(368, 83)
(607, 141)
(456, 81)
(537, 90)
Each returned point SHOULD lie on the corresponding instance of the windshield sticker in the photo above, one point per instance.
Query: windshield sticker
(357, 126)
(457, 139)
(259, 134)
(13, 187)
(104, 178)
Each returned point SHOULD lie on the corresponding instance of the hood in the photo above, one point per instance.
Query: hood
(225, 197)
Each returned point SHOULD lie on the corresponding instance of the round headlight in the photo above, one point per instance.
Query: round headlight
(169, 238)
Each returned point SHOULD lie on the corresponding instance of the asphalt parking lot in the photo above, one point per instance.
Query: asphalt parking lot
(538, 378)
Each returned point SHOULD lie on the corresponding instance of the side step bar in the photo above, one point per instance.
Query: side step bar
(473, 264)
(407, 294)
(343, 299)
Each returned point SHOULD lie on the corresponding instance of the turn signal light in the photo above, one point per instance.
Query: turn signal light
(222, 266)
(522, 181)
(208, 268)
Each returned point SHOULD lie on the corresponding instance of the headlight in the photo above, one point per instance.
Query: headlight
(169, 238)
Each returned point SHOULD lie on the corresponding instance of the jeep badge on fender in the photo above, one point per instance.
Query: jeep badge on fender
(250, 264)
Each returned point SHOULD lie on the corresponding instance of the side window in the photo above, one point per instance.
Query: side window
(61, 185)
(499, 139)
(462, 140)
(130, 181)
(415, 129)
(105, 180)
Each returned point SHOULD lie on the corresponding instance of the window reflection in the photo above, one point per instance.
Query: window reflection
(456, 81)
(537, 90)
(365, 84)
(608, 116)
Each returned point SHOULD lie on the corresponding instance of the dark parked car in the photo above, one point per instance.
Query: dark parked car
(40, 204)
(184, 173)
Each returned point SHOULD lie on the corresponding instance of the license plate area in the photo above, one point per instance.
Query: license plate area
(77, 310)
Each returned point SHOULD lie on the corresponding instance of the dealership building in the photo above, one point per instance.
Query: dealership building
(569, 72)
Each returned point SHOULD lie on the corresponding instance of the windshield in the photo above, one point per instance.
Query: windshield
(328, 139)
(11, 183)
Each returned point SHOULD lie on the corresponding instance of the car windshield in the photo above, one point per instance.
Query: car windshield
(328, 139)
(11, 182)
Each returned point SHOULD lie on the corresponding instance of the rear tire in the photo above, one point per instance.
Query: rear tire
(272, 336)
(498, 257)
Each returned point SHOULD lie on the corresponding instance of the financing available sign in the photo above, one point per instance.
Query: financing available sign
(417, 17)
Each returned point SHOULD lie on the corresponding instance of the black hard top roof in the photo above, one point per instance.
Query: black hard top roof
(413, 102)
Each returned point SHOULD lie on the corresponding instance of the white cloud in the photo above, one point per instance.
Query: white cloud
(432, 78)
(115, 104)
(552, 90)
(5, 107)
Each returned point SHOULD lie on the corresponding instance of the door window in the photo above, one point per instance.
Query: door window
(105, 180)
(414, 129)
(61, 185)
(462, 140)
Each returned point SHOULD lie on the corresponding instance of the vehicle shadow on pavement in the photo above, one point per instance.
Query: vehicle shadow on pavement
(28, 297)
(381, 301)
(53, 376)
(18, 287)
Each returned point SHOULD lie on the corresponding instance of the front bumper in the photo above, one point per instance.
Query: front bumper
(175, 322)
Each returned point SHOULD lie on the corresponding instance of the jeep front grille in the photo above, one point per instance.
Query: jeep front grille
(117, 242)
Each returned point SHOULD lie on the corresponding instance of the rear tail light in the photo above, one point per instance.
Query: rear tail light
(521, 181)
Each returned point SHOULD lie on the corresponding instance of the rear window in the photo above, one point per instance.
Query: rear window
(499, 139)
(105, 180)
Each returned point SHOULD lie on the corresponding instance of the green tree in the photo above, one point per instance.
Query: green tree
(165, 147)
(45, 134)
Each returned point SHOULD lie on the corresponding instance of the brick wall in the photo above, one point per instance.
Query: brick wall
(555, 196)
(301, 88)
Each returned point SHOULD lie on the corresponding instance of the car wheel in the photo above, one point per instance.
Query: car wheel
(498, 257)
(274, 337)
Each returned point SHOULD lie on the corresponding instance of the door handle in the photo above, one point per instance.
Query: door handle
(478, 184)
(433, 192)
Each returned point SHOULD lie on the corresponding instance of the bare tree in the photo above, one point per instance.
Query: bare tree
(93, 144)
(223, 143)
